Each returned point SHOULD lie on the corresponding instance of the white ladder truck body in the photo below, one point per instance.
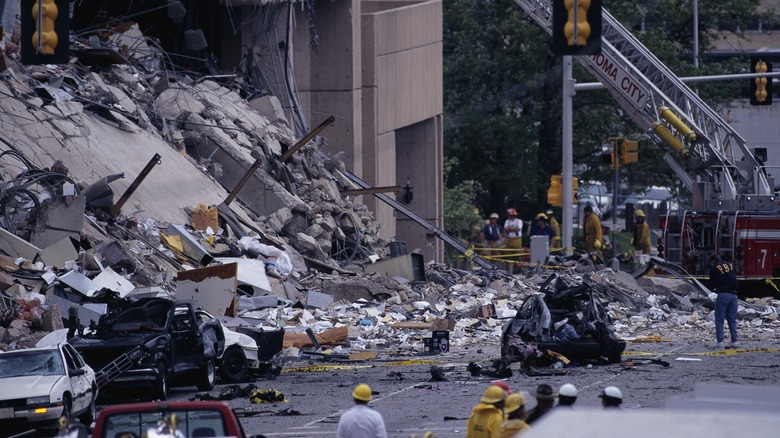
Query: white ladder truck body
(735, 210)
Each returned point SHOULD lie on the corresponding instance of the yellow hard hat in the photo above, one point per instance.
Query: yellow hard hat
(493, 394)
(639, 213)
(597, 244)
(362, 392)
(513, 402)
(541, 217)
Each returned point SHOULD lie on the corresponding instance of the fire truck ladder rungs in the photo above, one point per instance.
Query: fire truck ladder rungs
(118, 366)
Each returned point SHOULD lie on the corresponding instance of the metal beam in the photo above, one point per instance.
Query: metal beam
(384, 189)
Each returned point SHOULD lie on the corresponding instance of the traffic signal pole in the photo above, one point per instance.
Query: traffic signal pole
(566, 145)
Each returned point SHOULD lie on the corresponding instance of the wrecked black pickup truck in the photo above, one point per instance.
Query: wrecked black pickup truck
(568, 320)
(150, 344)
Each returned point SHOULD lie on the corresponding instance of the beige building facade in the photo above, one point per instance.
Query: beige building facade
(376, 66)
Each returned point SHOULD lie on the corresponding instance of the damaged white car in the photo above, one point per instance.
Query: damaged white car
(40, 385)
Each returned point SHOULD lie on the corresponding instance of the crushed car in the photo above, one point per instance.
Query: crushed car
(563, 319)
(40, 385)
(149, 345)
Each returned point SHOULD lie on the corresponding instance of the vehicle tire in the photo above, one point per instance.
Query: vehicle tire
(206, 376)
(234, 365)
(161, 385)
(89, 415)
(67, 408)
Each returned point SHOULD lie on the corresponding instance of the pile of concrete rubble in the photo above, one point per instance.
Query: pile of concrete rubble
(291, 251)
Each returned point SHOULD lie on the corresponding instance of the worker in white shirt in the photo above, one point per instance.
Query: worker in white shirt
(360, 421)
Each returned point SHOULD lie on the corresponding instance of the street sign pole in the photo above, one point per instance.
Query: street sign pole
(566, 145)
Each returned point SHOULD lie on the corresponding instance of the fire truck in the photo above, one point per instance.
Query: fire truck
(734, 210)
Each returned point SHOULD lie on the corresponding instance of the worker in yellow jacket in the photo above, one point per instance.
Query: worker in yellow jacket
(487, 417)
(593, 235)
(641, 234)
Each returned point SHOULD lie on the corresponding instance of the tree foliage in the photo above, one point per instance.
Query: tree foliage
(502, 92)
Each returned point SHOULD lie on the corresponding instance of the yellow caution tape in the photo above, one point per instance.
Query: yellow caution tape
(318, 368)
(726, 352)
(412, 362)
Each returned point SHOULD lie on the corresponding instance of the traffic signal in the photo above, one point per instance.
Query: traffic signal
(45, 32)
(760, 87)
(555, 192)
(629, 152)
(576, 27)
(45, 38)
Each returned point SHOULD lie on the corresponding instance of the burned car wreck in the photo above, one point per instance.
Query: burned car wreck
(567, 320)
(149, 345)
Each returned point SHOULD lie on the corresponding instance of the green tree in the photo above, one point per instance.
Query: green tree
(502, 94)
(462, 218)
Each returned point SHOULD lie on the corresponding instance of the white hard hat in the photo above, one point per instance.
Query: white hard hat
(568, 390)
(612, 392)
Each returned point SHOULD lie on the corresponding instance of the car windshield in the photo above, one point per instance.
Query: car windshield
(181, 423)
(31, 363)
(150, 317)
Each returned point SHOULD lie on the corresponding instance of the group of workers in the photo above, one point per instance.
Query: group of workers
(596, 237)
(510, 235)
(500, 412)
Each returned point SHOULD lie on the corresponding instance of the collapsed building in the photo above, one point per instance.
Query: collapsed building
(133, 180)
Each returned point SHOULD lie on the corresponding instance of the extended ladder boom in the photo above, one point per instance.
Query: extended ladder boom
(659, 102)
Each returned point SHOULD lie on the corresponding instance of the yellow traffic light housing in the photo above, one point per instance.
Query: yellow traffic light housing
(555, 192)
(761, 86)
(629, 152)
(45, 38)
(576, 27)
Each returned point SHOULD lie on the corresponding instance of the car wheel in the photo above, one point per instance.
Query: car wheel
(206, 376)
(234, 365)
(67, 408)
(89, 415)
(161, 385)
(614, 358)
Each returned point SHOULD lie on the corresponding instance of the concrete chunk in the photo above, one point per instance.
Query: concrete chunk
(318, 300)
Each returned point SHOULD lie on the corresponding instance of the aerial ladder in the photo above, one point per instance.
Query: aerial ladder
(710, 158)
(733, 198)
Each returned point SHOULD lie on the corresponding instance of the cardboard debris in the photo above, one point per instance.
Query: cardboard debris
(328, 337)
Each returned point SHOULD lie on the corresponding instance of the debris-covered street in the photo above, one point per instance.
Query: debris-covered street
(412, 402)
(178, 235)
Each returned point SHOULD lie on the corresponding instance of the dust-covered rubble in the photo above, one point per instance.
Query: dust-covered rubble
(69, 131)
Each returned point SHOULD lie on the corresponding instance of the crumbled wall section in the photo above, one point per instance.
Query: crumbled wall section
(114, 121)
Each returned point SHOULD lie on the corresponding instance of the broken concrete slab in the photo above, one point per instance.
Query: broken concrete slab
(15, 246)
(318, 300)
(212, 288)
(111, 280)
(251, 274)
(80, 283)
(257, 302)
(59, 219)
(410, 267)
(60, 253)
